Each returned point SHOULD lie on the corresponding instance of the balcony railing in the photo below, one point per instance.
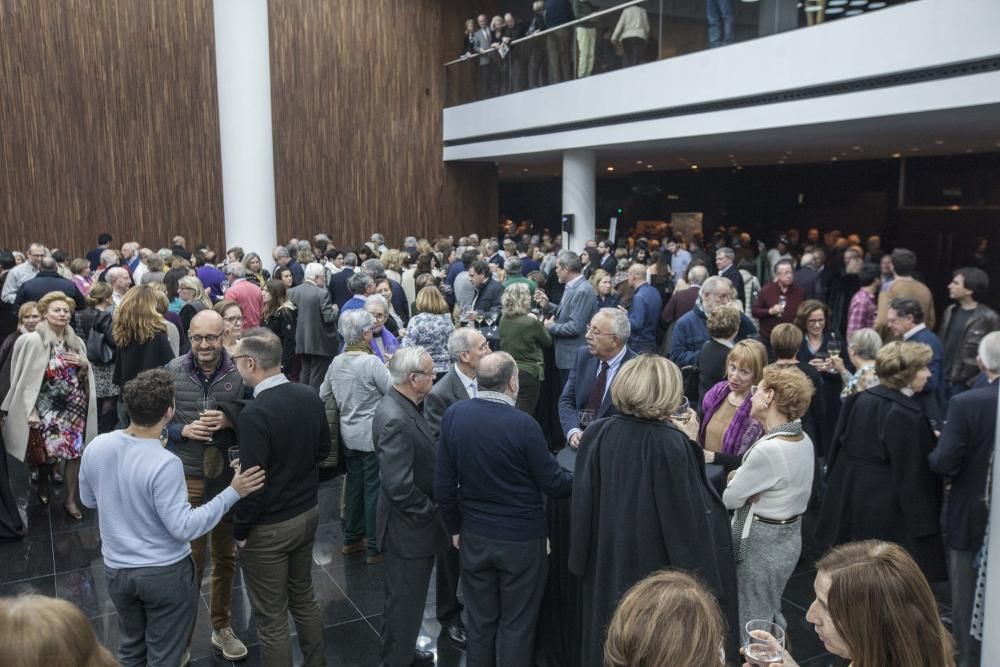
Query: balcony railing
(532, 53)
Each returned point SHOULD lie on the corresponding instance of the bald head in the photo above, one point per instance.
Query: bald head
(205, 333)
(495, 373)
(206, 322)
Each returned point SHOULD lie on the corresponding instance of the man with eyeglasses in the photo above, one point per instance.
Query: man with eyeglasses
(23, 272)
(208, 389)
(409, 529)
(691, 331)
(586, 392)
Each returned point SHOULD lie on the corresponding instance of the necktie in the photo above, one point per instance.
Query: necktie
(596, 396)
(473, 390)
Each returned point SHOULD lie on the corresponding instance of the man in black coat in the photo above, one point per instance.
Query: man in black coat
(409, 530)
(48, 280)
(589, 383)
(488, 290)
(340, 293)
(964, 453)
(724, 262)
(467, 347)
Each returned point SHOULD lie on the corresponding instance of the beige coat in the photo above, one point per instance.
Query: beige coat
(28, 363)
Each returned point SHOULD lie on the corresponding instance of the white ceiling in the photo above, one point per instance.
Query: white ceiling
(949, 132)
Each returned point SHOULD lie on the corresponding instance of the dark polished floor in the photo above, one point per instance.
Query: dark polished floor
(62, 557)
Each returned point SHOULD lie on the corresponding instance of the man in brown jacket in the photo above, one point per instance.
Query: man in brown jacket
(905, 286)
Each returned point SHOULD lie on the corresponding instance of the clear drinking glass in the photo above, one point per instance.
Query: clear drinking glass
(585, 418)
(681, 414)
(833, 347)
(764, 643)
(234, 456)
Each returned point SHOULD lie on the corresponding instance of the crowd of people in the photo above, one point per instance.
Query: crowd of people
(574, 441)
(507, 65)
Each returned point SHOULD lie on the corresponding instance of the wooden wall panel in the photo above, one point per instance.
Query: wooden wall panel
(108, 122)
(357, 94)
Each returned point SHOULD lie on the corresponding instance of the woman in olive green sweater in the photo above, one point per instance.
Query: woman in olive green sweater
(523, 337)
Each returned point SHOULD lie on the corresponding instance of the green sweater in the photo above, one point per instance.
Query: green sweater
(523, 337)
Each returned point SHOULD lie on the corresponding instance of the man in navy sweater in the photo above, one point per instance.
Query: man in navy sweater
(905, 318)
(644, 311)
(499, 526)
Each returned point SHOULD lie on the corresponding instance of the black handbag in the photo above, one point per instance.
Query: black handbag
(98, 350)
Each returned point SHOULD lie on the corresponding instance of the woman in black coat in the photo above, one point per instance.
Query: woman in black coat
(813, 318)
(879, 482)
(641, 503)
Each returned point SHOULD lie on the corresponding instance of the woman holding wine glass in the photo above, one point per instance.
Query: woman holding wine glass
(874, 607)
(861, 350)
(524, 338)
(770, 492)
(819, 344)
(727, 429)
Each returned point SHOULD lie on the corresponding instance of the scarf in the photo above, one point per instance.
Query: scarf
(359, 347)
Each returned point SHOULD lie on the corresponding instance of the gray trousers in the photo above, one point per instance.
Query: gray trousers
(277, 567)
(313, 369)
(770, 558)
(962, 575)
(156, 609)
(405, 581)
(502, 585)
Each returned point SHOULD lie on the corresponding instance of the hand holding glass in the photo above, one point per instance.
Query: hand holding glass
(585, 418)
(764, 644)
(682, 414)
(234, 457)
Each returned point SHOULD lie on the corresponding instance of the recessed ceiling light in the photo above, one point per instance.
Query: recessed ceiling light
(731, 155)
(877, 5)
(968, 150)
(895, 155)
(611, 168)
(525, 169)
(939, 142)
(638, 161)
(854, 12)
(858, 3)
(856, 148)
(834, 10)
(836, 3)
(813, 8)
(834, 158)
(914, 150)
(695, 167)
(649, 166)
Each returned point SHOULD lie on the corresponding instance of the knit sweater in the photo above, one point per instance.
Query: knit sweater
(138, 486)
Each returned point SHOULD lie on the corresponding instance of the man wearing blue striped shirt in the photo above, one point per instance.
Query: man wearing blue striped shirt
(147, 524)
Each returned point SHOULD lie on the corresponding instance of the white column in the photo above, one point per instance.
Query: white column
(579, 196)
(991, 620)
(243, 73)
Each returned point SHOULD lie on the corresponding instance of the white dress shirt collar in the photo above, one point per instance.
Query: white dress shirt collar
(269, 383)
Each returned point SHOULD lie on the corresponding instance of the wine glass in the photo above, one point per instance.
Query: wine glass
(681, 415)
(491, 317)
(585, 418)
(208, 404)
(234, 457)
(833, 347)
(782, 302)
(479, 315)
(764, 643)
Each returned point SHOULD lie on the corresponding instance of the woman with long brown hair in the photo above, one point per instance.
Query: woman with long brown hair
(281, 317)
(874, 607)
(51, 407)
(140, 332)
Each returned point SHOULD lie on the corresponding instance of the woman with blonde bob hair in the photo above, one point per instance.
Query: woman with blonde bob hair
(880, 485)
(658, 610)
(523, 337)
(639, 501)
(40, 631)
(727, 429)
(874, 607)
(431, 327)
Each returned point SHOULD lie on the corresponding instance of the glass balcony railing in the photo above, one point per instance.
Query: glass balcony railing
(573, 39)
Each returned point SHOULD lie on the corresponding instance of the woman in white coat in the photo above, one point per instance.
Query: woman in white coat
(51, 408)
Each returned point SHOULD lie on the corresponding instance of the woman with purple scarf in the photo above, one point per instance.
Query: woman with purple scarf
(727, 429)
(383, 343)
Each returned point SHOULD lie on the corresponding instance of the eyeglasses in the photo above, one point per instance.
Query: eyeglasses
(423, 373)
(211, 338)
(240, 356)
(379, 317)
(234, 319)
(596, 332)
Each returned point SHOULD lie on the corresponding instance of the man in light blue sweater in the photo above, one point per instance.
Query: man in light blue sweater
(147, 524)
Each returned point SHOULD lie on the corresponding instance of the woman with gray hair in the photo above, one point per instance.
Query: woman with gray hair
(523, 337)
(357, 380)
(383, 343)
(862, 349)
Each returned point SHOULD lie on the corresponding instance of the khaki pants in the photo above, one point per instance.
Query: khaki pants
(586, 39)
(223, 559)
(277, 567)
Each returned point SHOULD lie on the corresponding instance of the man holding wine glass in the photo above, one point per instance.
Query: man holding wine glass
(585, 396)
(208, 387)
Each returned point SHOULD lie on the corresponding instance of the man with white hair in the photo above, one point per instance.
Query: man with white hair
(179, 247)
(130, 257)
(567, 321)
(964, 454)
(409, 529)
(691, 331)
(282, 258)
(245, 293)
(377, 244)
(120, 281)
(410, 247)
(316, 329)
(140, 267)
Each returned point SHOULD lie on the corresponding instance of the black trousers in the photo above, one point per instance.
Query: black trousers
(502, 584)
(446, 574)
(405, 581)
(313, 369)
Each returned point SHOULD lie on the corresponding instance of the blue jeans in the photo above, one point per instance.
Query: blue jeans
(720, 22)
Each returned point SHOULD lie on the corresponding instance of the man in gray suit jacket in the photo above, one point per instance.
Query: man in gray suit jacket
(567, 321)
(409, 530)
(482, 41)
(467, 347)
(316, 330)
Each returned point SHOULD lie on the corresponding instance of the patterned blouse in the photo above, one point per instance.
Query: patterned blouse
(431, 332)
(863, 378)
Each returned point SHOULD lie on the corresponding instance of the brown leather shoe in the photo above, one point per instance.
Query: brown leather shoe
(354, 547)
(374, 560)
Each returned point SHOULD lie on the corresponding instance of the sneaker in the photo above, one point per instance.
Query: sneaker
(186, 658)
(374, 560)
(354, 547)
(226, 641)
